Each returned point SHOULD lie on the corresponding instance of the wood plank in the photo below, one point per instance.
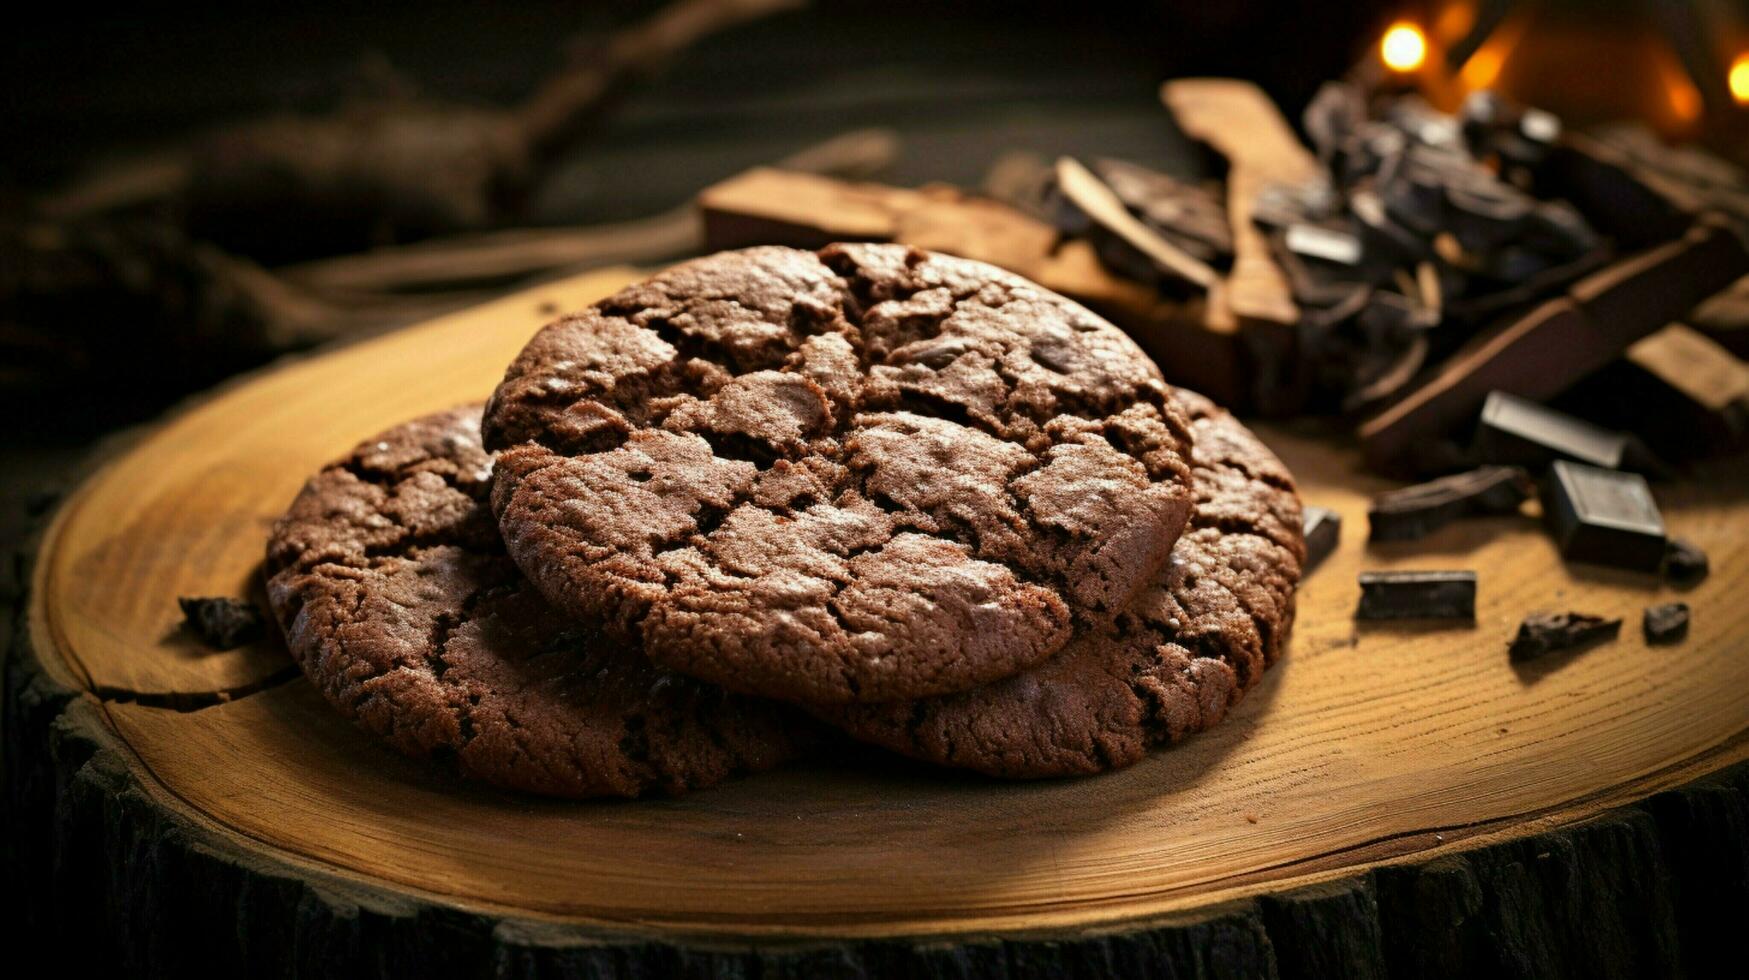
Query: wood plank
(1368, 744)
(1241, 123)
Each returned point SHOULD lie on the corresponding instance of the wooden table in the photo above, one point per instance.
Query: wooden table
(1392, 799)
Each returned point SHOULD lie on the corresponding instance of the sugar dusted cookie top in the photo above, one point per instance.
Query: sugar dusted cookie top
(400, 604)
(1185, 651)
(860, 475)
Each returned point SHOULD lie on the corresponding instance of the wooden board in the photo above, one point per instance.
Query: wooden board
(1368, 745)
(1239, 121)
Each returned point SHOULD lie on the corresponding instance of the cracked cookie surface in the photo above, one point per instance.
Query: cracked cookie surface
(859, 475)
(398, 601)
(1185, 652)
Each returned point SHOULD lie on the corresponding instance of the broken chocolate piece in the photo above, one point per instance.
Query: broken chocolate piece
(223, 623)
(1691, 391)
(1684, 562)
(1121, 232)
(1518, 430)
(1666, 623)
(1545, 351)
(1324, 244)
(1544, 633)
(1605, 517)
(1417, 595)
(1188, 215)
(1323, 528)
(1416, 511)
(1678, 388)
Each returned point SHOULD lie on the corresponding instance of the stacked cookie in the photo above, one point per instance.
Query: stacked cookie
(914, 498)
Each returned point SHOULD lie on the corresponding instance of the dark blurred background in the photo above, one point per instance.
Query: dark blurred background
(110, 314)
(84, 87)
(960, 81)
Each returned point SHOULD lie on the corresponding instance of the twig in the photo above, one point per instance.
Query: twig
(495, 258)
(389, 168)
(553, 113)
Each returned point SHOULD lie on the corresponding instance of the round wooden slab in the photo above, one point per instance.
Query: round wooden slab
(1368, 745)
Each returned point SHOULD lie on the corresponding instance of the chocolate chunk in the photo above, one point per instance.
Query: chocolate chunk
(1190, 216)
(1666, 623)
(1544, 633)
(1518, 430)
(1484, 212)
(1323, 529)
(1318, 283)
(1331, 119)
(1540, 354)
(223, 623)
(1684, 562)
(1417, 595)
(1136, 247)
(1323, 244)
(1540, 127)
(1415, 511)
(1382, 229)
(1606, 517)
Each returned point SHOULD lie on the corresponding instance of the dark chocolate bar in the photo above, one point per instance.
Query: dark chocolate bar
(1417, 595)
(1323, 528)
(1518, 430)
(1415, 511)
(1544, 633)
(1605, 517)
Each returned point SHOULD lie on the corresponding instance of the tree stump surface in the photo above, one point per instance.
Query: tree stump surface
(1391, 800)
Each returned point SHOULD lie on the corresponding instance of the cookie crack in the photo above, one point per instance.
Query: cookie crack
(927, 404)
(740, 447)
(1227, 522)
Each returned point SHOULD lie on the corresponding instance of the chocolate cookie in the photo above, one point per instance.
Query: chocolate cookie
(1184, 652)
(398, 600)
(865, 474)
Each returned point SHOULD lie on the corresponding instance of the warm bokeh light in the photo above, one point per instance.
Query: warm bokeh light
(1404, 47)
(1739, 79)
(1454, 21)
(1483, 68)
(1685, 100)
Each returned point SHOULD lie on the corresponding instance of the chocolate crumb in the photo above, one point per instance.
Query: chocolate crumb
(1544, 633)
(1684, 562)
(1666, 623)
(223, 623)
